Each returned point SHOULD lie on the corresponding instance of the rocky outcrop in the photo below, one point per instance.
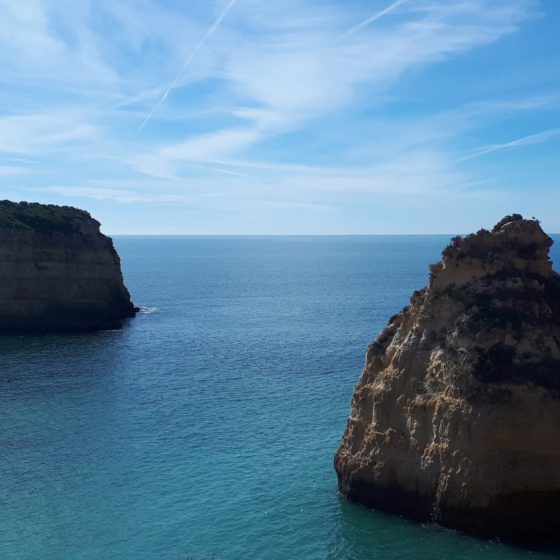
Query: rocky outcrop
(58, 272)
(456, 418)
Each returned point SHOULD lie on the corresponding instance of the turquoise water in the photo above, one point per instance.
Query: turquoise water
(206, 428)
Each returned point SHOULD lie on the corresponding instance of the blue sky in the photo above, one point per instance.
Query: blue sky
(283, 116)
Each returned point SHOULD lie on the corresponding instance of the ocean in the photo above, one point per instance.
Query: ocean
(206, 428)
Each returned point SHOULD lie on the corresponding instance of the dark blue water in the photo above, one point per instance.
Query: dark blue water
(207, 427)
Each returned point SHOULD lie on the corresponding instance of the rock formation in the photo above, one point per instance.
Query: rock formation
(456, 418)
(58, 272)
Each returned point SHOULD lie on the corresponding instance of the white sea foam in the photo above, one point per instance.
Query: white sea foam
(148, 310)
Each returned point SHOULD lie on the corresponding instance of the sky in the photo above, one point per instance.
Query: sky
(243, 117)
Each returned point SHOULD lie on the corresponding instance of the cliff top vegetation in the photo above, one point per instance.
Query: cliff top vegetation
(42, 218)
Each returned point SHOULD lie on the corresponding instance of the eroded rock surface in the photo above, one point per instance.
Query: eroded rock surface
(456, 418)
(58, 272)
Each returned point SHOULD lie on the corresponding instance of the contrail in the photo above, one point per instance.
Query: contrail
(215, 169)
(524, 141)
(188, 61)
(372, 19)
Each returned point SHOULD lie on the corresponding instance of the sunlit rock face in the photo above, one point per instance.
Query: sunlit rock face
(456, 418)
(58, 272)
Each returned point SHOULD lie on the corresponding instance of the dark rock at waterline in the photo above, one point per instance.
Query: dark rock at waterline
(456, 418)
(58, 272)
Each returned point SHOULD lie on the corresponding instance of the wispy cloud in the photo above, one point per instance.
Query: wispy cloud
(285, 82)
(36, 133)
(209, 147)
(10, 170)
(118, 195)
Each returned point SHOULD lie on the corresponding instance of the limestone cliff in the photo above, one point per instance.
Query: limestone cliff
(58, 272)
(456, 418)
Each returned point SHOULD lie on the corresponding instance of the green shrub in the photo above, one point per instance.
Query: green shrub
(42, 218)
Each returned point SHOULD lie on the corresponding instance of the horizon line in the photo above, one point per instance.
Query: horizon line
(290, 234)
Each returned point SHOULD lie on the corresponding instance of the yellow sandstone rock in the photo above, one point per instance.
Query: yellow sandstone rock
(456, 418)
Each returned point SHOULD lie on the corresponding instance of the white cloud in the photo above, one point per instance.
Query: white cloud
(118, 195)
(10, 170)
(42, 132)
(212, 146)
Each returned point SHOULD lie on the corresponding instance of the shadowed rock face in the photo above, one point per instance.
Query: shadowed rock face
(58, 272)
(456, 418)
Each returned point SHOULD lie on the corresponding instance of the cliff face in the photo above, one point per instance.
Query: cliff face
(58, 272)
(456, 418)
